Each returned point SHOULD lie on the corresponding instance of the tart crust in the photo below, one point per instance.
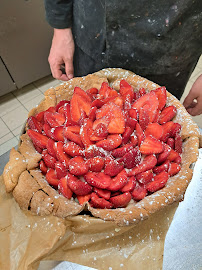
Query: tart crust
(32, 192)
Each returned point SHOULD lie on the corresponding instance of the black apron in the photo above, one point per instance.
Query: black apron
(157, 39)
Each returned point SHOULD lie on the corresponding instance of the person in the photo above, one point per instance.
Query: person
(159, 40)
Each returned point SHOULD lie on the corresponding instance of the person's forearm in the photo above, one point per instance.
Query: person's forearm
(59, 13)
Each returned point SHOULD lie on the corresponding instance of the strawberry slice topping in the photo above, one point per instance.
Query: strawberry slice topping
(121, 200)
(98, 202)
(77, 186)
(151, 146)
(38, 139)
(159, 182)
(98, 180)
(64, 189)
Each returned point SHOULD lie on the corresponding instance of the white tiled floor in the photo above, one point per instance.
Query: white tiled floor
(14, 107)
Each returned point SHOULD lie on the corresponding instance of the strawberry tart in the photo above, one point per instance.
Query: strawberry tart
(112, 143)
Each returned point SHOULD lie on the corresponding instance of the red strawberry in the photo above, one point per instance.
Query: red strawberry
(101, 130)
(112, 142)
(163, 167)
(92, 113)
(167, 114)
(145, 177)
(82, 118)
(164, 155)
(112, 166)
(116, 125)
(120, 152)
(60, 104)
(118, 101)
(171, 142)
(50, 147)
(34, 124)
(77, 186)
(60, 169)
(139, 193)
(72, 134)
(85, 132)
(83, 198)
(133, 113)
(151, 146)
(38, 139)
(99, 180)
(126, 135)
(118, 181)
(121, 200)
(64, 189)
(156, 118)
(40, 117)
(73, 149)
(38, 149)
(140, 134)
(60, 154)
(103, 193)
(167, 130)
(173, 169)
(178, 160)
(98, 202)
(155, 130)
(96, 164)
(93, 151)
(43, 167)
(176, 128)
(131, 122)
(58, 133)
(106, 91)
(77, 166)
(126, 90)
(144, 116)
(134, 140)
(92, 91)
(159, 182)
(48, 159)
(147, 164)
(178, 144)
(54, 119)
(161, 95)
(131, 158)
(149, 99)
(172, 155)
(48, 131)
(51, 177)
(103, 120)
(97, 103)
(130, 185)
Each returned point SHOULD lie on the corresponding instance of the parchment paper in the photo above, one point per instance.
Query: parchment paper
(26, 239)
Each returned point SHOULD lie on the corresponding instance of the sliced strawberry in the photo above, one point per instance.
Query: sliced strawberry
(155, 130)
(164, 155)
(142, 91)
(159, 182)
(167, 130)
(133, 113)
(118, 101)
(106, 91)
(80, 92)
(131, 158)
(38, 149)
(167, 114)
(85, 132)
(103, 193)
(92, 113)
(60, 154)
(60, 104)
(38, 139)
(120, 152)
(64, 189)
(34, 124)
(97, 103)
(112, 166)
(48, 159)
(139, 193)
(98, 202)
(101, 130)
(119, 181)
(134, 140)
(149, 99)
(173, 169)
(51, 109)
(73, 149)
(83, 198)
(96, 164)
(48, 131)
(54, 119)
(78, 166)
(126, 135)
(172, 155)
(178, 160)
(116, 125)
(151, 146)
(43, 167)
(103, 120)
(72, 134)
(82, 118)
(40, 117)
(176, 128)
(147, 164)
(131, 122)
(144, 116)
(161, 95)
(112, 142)
(163, 167)
(171, 142)
(58, 133)
(77, 186)
(156, 118)
(92, 91)
(140, 134)
(94, 151)
(50, 147)
(145, 177)
(121, 200)
(178, 144)
(126, 90)
(60, 169)
(99, 180)
(130, 185)
(51, 177)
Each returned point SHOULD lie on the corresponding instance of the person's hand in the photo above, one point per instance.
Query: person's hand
(193, 101)
(62, 52)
